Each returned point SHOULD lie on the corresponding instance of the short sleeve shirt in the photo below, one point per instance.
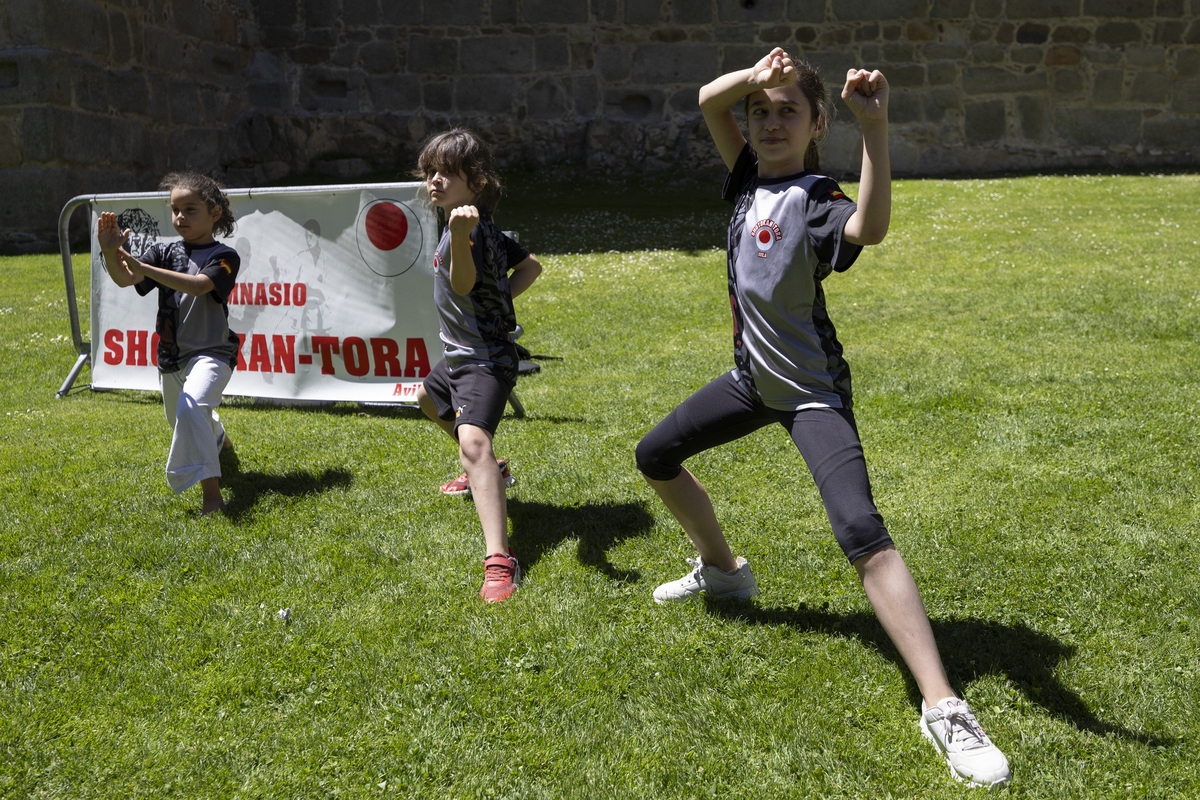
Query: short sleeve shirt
(475, 328)
(190, 325)
(785, 238)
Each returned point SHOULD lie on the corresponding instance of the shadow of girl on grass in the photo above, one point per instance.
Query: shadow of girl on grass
(596, 527)
(970, 649)
(244, 490)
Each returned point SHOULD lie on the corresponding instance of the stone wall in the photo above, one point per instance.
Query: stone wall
(100, 96)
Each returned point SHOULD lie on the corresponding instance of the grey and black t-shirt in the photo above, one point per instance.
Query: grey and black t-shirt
(475, 327)
(785, 237)
(191, 325)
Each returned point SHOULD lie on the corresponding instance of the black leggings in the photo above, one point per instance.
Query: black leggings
(724, 411)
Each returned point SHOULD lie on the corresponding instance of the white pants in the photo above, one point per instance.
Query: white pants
(190, 399)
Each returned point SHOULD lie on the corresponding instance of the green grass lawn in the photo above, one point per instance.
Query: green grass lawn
(1026, 368)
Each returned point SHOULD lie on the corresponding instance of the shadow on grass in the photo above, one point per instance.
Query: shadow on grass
(330, 408)
(247, 488)
(381, 410)
(970, 649)
(553, 419)
(539, 527)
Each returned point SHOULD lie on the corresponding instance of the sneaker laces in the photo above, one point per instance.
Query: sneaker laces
(964, 729)
(497, 572)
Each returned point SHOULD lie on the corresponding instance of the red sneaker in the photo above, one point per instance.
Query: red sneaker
(461, 485)
(501, 573)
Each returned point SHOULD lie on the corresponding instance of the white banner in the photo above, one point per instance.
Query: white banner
(334, 299)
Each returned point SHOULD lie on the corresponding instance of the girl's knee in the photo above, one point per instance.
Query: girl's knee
(186, 404)
(645, 457)
(651, 464)
(474, 444)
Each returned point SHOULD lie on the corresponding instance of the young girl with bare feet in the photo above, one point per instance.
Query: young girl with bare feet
(196, 350)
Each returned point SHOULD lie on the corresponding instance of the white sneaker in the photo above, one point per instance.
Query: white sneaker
(956, 734)
(714, 582)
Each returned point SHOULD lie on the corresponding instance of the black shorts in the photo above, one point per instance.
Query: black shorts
(472, 394)
(828, 439)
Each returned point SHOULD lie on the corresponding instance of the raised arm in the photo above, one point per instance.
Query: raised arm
(718, 98)
(462, 263)
(866, 93)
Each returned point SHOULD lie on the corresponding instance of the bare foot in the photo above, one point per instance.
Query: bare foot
(213, 502)
(216, 508)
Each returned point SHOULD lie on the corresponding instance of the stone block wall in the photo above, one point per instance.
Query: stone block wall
(100, 96)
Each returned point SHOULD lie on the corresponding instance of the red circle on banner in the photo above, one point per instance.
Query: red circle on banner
(386, 225)
(390, 236)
